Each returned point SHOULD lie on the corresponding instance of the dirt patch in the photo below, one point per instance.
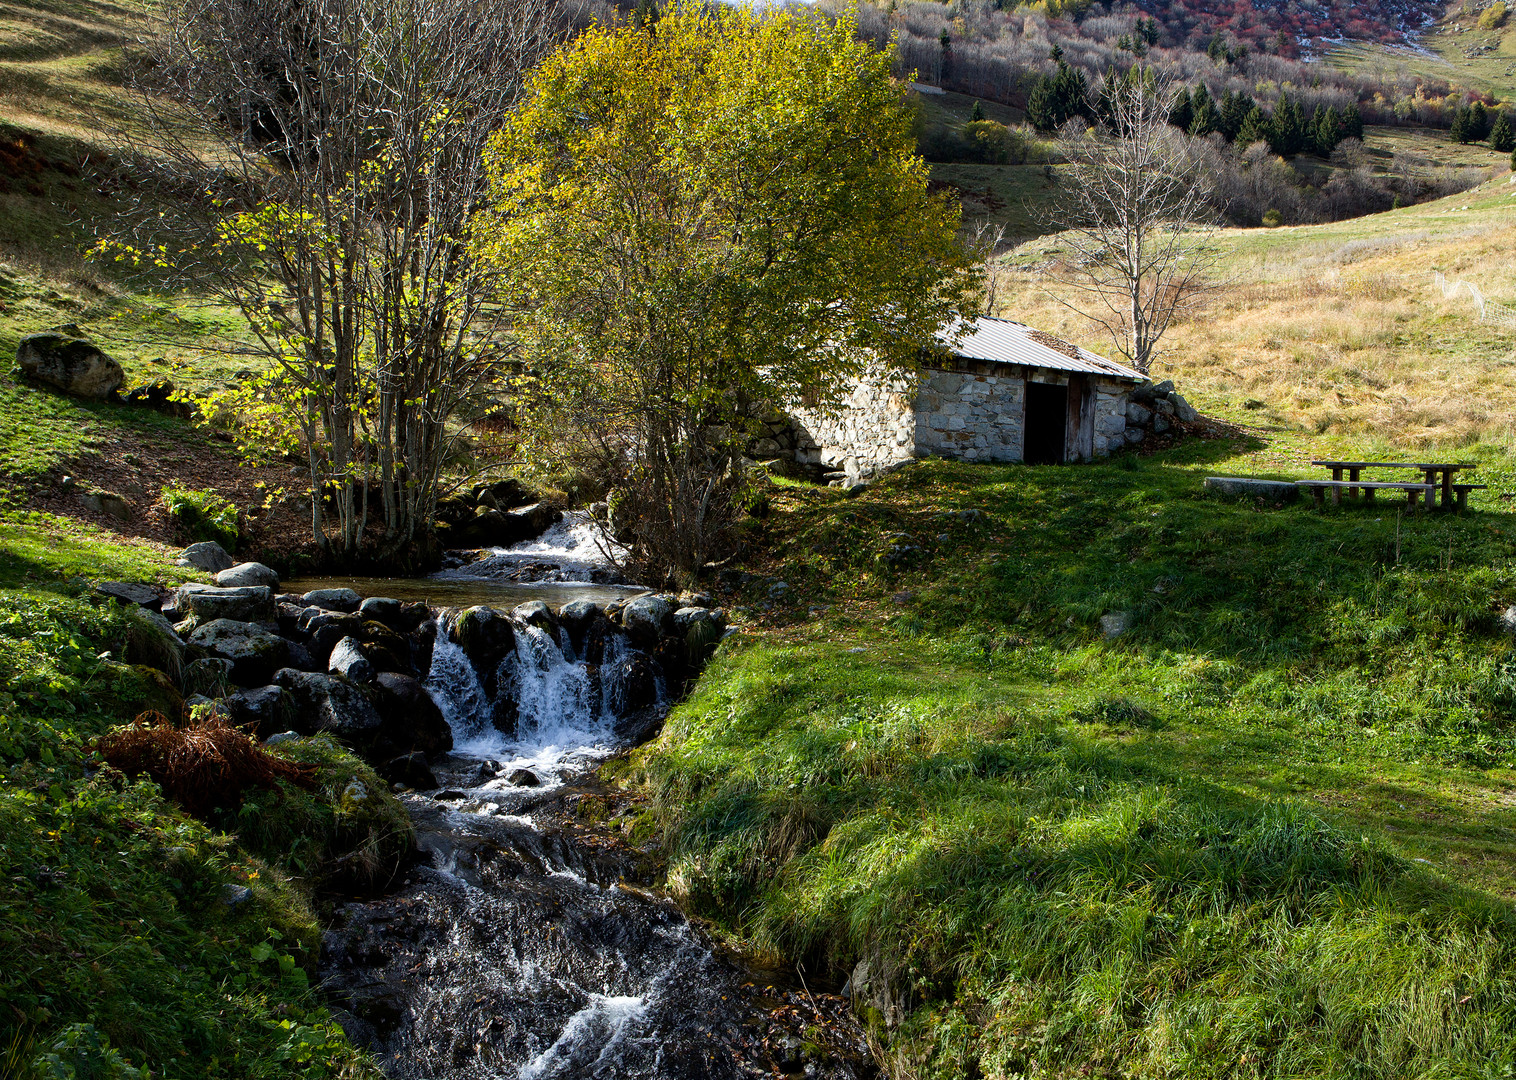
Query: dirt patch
(271, 499)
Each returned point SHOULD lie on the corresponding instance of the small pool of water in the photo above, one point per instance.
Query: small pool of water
(459, 592)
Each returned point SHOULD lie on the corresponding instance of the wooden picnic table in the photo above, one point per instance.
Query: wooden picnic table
(1435, 474)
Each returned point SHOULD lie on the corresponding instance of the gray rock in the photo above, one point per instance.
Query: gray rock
(347, 660)
(108, 503)
(1165, 387)
(382, 610)
(210, 676)
(536, 613)
(1508, 621)
(248, 573)
(485, 636)
(647, 618)
(246, 603)
(1245, 487)
(1137, 414)
(235, 895)
(255, 653)
(1135, 435)
(65, 360)
(1164, 407)
(327, 703)
(410, 715)
(131, 592)
(1115, 623)
(1183, 410)
(344, 600)
(577, 616)
(208, 556)
(1160, 423)
(524, 778)
(282, 737)
(266, 709)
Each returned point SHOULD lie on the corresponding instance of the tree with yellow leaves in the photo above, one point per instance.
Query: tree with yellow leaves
(708, 213)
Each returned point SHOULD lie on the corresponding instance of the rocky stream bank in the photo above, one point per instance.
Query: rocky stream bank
(525, 936)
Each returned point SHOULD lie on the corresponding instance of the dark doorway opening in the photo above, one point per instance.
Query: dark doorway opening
(1047, 417)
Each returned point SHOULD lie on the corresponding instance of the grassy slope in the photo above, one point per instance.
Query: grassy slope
(1267, 832)
(1332, 338)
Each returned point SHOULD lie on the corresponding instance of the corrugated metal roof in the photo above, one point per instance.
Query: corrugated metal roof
(1002, 341)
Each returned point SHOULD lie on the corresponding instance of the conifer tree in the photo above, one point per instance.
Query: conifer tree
(1352, 122)
(1234, 113)
(1207, 119)
(1502, 135)
(1182, 114)
(1479, 121)
(976, 113)
(1287, 134)
(1462, 130)
(1326, 130)
(1256, 128)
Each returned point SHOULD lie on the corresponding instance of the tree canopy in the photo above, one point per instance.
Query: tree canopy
(720, 208)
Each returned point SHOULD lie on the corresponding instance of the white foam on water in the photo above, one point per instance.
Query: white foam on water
(578, 542)
(598, 1029)
(564, 724)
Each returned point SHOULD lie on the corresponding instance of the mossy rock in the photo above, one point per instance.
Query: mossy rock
(137, 688)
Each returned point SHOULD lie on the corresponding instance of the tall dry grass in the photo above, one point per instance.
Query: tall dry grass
(1339, 337)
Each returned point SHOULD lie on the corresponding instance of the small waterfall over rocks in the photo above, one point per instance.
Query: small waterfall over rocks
(524, 944)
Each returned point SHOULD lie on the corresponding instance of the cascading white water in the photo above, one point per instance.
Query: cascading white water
(566, 711)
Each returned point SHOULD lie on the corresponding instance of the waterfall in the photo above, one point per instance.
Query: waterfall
(565, 708)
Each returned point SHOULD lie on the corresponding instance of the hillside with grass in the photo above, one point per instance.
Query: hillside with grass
(1265, 831)
(1055, 771)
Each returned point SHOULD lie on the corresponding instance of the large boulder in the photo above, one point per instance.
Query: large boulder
(385, 649)
(248, 573)
(65, 360)
(646, 619)
(347, 660)
(255, 653)
(536, 613)
(577, 616)
(411, 718)
(485, 636)
(328, 628)
(266, 710)
(208, 556)
(132, 592)
(334, 599)
(384, 610)
(328, 703)
(246, 603)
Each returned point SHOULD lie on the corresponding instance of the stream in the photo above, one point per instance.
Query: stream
(527, 942)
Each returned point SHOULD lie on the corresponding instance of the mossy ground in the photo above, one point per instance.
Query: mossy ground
(118, 948)
(1267, 831)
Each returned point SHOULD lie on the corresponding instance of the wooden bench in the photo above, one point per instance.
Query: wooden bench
(1319, 489)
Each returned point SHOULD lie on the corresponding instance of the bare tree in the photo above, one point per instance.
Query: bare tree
(990, 248)
(1134, 208)
(318, 166)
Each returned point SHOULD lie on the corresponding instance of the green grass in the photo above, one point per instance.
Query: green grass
(1454, 51)
(1266, 832)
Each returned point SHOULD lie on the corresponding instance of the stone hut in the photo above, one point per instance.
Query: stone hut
(996, 390)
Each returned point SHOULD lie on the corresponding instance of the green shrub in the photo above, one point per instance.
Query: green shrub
(1272, 219)
(202, 515)
(1494, 16)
